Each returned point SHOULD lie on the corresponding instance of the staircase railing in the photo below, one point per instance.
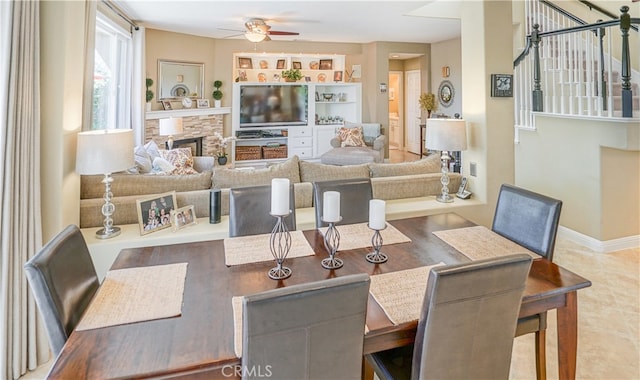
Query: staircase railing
(573, 71)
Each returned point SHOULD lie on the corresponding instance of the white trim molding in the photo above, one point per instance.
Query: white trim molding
(628, 242)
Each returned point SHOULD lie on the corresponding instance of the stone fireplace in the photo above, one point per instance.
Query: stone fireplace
(196, 123)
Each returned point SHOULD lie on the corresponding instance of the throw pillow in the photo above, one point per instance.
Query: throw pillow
(351, 136)
(162, 166)
(181, 159)
(152, 149)
(142, 159)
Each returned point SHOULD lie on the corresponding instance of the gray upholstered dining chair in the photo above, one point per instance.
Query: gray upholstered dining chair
(466, 326)
(531, 220)
(313, 330)
(63, 281)
(355, 195)
(249, 211)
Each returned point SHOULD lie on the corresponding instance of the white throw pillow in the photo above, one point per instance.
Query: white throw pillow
(143, 160)
(152, 149)
(162, 166)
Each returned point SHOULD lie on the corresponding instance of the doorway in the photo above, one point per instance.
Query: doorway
(413, 115)
(396, 104)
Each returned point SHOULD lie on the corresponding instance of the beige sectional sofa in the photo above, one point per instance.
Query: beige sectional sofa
(389, 181)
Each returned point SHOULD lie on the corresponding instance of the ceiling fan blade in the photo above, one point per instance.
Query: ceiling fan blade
(280, 33)
(232, 30)
(234, 35)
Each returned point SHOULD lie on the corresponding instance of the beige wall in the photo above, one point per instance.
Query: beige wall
(447, 53)
(61, 75)
(593, 166)
(486, 49)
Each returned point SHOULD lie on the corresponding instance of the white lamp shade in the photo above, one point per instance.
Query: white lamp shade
(255, 37)
(446, 134)
(170, 126)
(104, 151)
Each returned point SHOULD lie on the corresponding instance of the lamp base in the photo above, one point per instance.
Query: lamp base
(104, 234)
(444, 198)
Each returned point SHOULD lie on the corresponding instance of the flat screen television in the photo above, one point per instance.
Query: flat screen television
(273, 105)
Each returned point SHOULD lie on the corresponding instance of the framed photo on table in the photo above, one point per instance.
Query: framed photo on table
(154, 213)
(202, 103)
(280, 64)
(166, 105)
(183, 217)
(337, 76)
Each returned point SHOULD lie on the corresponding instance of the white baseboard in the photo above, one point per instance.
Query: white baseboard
(599, 245)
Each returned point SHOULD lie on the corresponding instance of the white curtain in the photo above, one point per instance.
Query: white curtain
(138, 98)
(22, 341)
(89, 58)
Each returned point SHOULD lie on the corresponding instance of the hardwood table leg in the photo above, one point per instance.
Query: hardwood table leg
(568, 337)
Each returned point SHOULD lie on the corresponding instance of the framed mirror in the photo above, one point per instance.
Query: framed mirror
(446, 93)
(178, 79)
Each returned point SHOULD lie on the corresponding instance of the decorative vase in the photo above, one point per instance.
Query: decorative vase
(148, 106)
(217, 103)
(222, 160)
(289, 80)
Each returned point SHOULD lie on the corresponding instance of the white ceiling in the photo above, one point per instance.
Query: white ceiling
(321, 21)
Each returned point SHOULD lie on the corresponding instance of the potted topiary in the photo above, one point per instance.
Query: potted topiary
(428, 103)
(217, 94)
(149, 95)
(292, 75)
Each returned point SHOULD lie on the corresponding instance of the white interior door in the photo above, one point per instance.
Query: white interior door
(412, 120)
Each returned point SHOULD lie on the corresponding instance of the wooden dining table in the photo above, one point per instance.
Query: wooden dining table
(200, 342)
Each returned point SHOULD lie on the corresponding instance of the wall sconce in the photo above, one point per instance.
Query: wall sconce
(445, 71)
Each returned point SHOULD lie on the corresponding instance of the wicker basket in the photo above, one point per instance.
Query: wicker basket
(274, 152)
(248, 152)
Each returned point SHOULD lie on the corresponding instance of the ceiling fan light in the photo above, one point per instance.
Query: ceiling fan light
(255, 37)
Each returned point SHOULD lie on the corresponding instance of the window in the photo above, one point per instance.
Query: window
(111, 76)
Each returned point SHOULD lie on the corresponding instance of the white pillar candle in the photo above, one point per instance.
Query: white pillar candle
(331, 206)
(280, 196)
(377, 214)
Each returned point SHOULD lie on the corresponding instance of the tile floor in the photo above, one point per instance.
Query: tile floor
(608, 315)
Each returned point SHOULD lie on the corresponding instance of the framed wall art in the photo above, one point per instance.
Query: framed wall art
(326, 64)
(501, 85)
(245, 63)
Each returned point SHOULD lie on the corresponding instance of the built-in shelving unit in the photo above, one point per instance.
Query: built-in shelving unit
(328, 101)
(306, 134)
(268, 67)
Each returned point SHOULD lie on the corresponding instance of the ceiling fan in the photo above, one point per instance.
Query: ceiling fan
(257, 30)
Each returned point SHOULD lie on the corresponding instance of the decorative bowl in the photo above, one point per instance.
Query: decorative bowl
(327, 96)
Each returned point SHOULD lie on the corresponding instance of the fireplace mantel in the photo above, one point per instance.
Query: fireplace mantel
(153, 115)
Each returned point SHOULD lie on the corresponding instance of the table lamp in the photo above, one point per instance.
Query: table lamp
(104, 152)
(169, 127)
(446, 135)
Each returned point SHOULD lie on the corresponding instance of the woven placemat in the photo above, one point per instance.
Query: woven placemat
(400, 294)
(479, 243)
(353, 236)
(136, 295)
(237, 325)
(255, 248)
